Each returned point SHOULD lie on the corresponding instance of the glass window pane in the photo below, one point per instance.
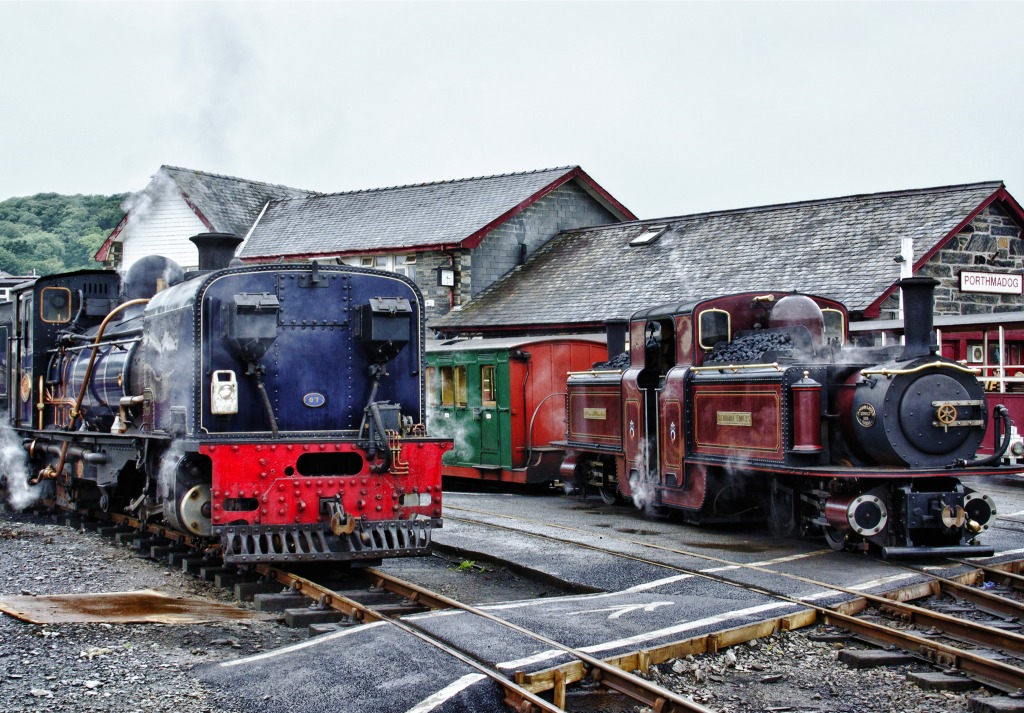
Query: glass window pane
(487, 385)
(714, 328)
(833, 324)
(460, 386)
(447, 387)
(55, 304)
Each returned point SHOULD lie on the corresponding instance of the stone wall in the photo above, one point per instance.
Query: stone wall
(565, 208)
(992, 242)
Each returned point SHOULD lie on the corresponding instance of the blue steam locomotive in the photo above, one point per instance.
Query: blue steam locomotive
(275, 408)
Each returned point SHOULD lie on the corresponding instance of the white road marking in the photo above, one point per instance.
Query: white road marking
(449, 691)
(570, 597)
(649, 635)
(620, 609)
(766, 563)
(315, 641)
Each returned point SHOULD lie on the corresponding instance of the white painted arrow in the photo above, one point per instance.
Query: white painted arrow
(620, 609)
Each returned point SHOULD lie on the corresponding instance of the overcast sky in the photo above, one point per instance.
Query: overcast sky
(674, 108)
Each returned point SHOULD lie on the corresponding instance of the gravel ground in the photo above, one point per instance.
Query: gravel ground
(104, 667)
(146, 667)
(791, 671)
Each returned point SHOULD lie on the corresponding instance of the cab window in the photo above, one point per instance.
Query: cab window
(834, 325)
(713, 327)
(55, 305)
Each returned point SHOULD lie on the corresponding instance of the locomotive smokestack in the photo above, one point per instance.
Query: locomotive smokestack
(215, 249)
(918, 303)
(615, 329)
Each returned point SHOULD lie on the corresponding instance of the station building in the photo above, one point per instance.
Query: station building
(852, 248)
(454, 238)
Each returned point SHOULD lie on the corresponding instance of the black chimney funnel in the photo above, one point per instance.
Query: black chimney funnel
(616, 329)
(918, 305)
(215, 249)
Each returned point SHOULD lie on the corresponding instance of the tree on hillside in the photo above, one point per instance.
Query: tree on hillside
(49, 232)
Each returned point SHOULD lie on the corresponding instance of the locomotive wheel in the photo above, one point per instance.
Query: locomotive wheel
(782, 513)
(835, 539)
(609, 494)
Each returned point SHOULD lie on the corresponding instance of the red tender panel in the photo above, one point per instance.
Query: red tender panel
(246, 471)
(595, 414)
(738, 419)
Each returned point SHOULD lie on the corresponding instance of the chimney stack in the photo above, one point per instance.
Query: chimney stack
(215, 249)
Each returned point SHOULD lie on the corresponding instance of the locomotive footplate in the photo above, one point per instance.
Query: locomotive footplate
(243, 544)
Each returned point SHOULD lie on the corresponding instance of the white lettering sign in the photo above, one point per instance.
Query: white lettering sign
(996, 283)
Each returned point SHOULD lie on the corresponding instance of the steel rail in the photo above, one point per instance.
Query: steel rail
(1008, 680)
(987, 602)
(648, 693)
(516, 696)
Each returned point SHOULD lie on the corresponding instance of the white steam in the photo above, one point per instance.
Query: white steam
(14, 470)
(641, 486)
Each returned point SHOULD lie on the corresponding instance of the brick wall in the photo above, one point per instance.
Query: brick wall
(992, 242)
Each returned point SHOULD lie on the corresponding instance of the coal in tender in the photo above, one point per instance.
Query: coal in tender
(753, 348)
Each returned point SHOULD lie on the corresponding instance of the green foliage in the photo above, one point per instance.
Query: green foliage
(48, 233)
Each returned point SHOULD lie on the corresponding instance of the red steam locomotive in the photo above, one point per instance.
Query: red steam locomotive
(755, 405)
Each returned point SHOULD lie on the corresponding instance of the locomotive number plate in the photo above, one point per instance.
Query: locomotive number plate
(314, 400)
(595, 414)
(735, 418)
(866, 415)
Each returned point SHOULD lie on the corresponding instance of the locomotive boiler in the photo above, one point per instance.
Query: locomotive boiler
(276, 409)
(756, 406)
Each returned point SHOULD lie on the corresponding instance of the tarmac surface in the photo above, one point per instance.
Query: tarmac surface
(643, 599)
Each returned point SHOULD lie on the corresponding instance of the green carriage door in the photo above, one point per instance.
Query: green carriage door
(490, 429)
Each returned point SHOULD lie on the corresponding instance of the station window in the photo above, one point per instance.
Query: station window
(402, 264)
(487, 396)
(713, 327)
(55, 305)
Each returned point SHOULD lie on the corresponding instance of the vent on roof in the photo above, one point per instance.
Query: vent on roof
(648, 236)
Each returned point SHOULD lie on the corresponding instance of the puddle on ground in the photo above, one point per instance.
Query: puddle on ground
(635, 531)
(601, 524)
(145, 606)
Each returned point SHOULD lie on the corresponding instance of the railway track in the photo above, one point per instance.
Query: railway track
(416, 598)
(948, 641)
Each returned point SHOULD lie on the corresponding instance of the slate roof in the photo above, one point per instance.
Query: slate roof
(424, 215)
(225, 203)
(841, 248)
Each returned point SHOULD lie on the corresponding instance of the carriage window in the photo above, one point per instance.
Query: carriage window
(55, 305)
(431, 386)
(714, 327)
(487, 386)
(447, 386)
(834, 325)
(460, 386)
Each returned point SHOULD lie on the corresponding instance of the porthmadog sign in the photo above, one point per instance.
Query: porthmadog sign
(992, 282)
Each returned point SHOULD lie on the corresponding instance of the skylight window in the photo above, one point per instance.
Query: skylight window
(648, 236)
